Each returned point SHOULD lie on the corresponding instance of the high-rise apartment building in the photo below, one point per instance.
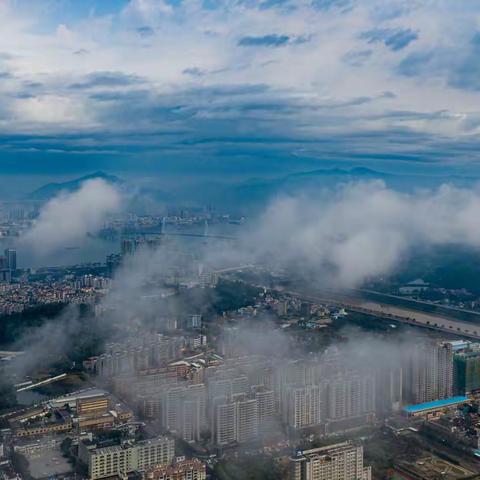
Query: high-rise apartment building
(5, 276)
(301, 406)
(120, 460)
(184, 410)
(299, 373)
(193, 321)
(194, 413)
(128, 246)
(388, 389)
(342, 461)
(113, 261)
(172, 408)
(349, 395)
(240, 384)
(235, 420)
(138, 355)
(225, 423)
(219, 388)
(247, 419)
(11, 259)
(466, 370)
(429, 374)
(266, 407)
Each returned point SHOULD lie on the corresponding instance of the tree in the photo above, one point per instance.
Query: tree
(8, 397)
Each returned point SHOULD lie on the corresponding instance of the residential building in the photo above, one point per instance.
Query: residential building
(181, 469)
(342, 461)
(466, 371)
(301, 406)
(349, 395)
(120, 460)
(429, 373)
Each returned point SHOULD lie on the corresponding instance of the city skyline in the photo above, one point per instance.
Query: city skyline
(239, 240)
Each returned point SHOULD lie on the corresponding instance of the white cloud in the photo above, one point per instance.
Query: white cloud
(52, 109)
(362, 230)
(68, 217)
(190, 37)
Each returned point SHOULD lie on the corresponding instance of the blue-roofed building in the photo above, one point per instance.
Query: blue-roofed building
(459, 344)
(432, 409)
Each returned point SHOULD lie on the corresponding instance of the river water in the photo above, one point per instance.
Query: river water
(93, 249)
(84, 251)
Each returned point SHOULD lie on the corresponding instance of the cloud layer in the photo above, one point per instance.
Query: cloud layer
(155, 83)
(68, 218)
(338, 237)
(361, 231)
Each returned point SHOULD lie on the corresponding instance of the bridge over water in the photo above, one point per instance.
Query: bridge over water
(163, 232)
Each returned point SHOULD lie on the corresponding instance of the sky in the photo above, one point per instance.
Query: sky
(238, 87)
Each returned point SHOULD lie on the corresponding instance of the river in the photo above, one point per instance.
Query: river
(86, 250)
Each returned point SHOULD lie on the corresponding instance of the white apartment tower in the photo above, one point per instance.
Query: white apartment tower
(129, 457)
(430, 373)
(342, 461)
(350, 396)
(302, 406)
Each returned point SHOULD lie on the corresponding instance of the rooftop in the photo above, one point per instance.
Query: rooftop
(325, 449)
(436, 404)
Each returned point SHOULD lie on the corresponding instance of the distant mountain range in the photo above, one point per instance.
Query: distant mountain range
(50, 190)
(353, 172)
(253, 193)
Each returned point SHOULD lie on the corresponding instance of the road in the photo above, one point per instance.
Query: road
(399, 314)
(384, 311)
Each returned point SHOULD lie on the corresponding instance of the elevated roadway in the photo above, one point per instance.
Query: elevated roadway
(399, 314)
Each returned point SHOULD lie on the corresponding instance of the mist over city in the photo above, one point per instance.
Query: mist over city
(239, 240)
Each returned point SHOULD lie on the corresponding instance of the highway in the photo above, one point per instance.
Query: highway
(383, 311)
(399, 314)
(43, 382)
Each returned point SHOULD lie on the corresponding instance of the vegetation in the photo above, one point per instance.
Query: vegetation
(7, 395)
(228, 295)
(451, 267)
(14, 326)
(64, 334)
(20, 464)
(248, 468)
(66, 447)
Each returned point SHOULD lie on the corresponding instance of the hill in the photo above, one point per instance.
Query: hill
(50, 190)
